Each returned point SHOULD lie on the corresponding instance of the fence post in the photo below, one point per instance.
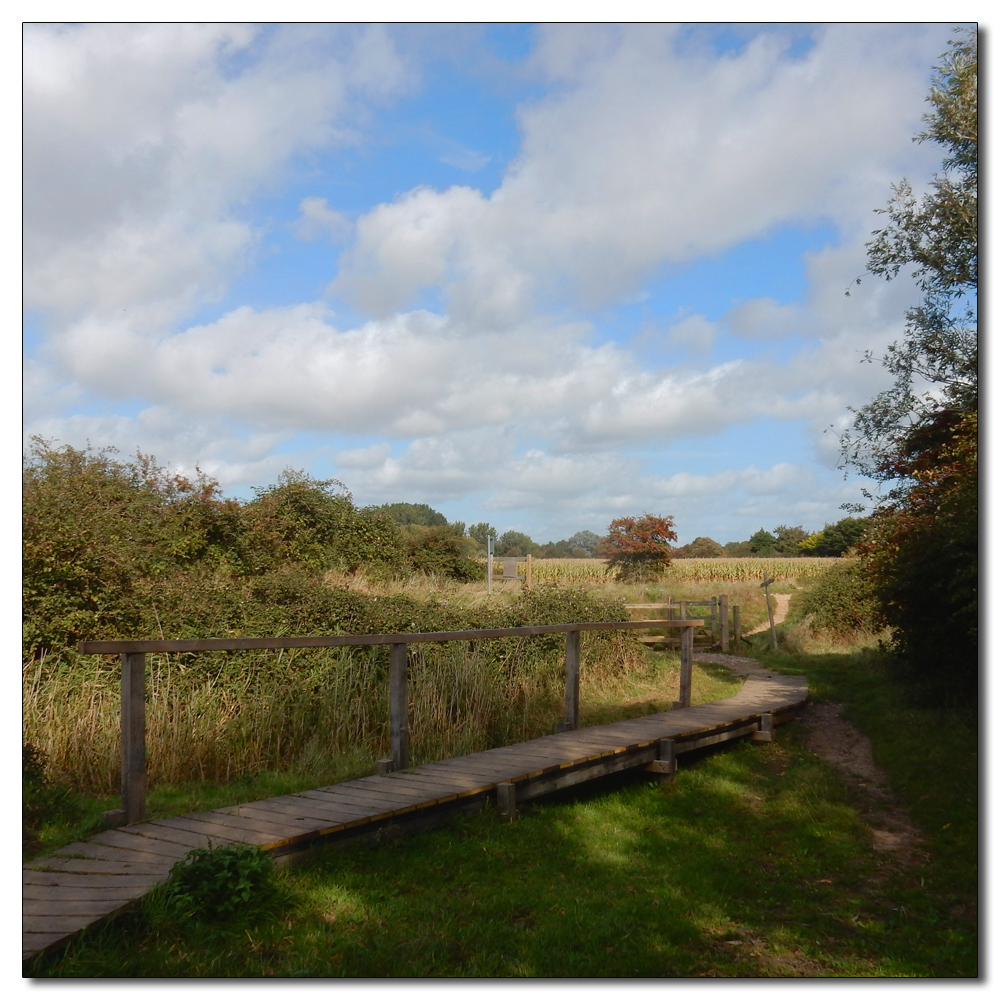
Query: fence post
(737, 635)
(687, 659)
(715, 620)
(398, 707)
(133, 788)
(724, 622)
(572, 719)
(527, 572)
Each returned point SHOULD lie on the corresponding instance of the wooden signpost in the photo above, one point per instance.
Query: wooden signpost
(770, 611)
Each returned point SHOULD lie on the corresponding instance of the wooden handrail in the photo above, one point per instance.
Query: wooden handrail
(312, 641)
(133, 657)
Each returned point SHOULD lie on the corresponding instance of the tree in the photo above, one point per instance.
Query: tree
(639, 548)
(586, 540)
(414, 513)
(935, 368)
(516, 543)
(700, 548)
(835, 539)
(762, 543)
(919, 437)
(481, 531)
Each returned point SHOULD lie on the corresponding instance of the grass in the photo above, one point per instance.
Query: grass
(605, 698)
(754, 862)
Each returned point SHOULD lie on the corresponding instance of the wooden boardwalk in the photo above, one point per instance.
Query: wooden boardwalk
(83, 884)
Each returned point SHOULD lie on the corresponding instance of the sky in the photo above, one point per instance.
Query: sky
(542, 276)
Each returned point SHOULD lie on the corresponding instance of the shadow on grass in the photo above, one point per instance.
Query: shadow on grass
(752, 863)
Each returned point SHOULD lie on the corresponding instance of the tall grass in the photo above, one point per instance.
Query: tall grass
(217, 717)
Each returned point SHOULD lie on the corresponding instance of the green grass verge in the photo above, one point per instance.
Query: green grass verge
(755, 862)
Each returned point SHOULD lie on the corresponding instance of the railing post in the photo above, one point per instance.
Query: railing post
(572, 720)
(687, 659)
(724, 622)
(527, 572)
(398, 706)
(133, 789)
(737, 636)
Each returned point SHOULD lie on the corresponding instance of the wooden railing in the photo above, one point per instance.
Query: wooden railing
(133, 683)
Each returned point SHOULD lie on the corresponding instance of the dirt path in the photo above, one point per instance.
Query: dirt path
(780, 614)
(849, 752)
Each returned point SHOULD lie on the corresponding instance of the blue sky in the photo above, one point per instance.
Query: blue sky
(542, 276)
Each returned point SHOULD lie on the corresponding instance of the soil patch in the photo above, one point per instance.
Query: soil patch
(835, 741)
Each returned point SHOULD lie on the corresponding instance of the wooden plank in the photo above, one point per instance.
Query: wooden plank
(622, 762)
(33, 942)
(284, 827)
(92, 908)
(319, 807)
(301, 815)
(136, 842)
(371, 798)
(429, 788)
(683, 746)
(244, 831)
(172, 835)
(461, 783)
(483, 771)
(102, 852)
(89, 866)
(348, 805)
(85, 880)
(56, 924)
(75, 894)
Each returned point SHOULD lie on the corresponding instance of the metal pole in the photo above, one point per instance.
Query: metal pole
(133, 787)
(398, 706)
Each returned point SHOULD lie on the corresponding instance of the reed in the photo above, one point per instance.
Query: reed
(218, 717)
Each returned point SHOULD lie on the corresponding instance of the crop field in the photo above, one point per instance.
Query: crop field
(575, 572)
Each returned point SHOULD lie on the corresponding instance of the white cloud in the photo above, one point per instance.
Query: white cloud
(141, 142)
(317, 220)
(648, 154)
(764, 319)
(145, 145)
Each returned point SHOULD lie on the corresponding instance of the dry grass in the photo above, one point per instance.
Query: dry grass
(218, 717)
(222, 716)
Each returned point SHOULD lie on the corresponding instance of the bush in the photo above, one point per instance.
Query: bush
(440, 551)
(218, 882)
(42, 800)
(843, 603)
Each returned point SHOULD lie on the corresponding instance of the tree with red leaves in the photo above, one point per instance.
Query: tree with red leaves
(638, 547)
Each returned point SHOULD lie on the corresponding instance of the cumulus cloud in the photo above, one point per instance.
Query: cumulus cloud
(145, 145)
(142, 140)
(650, 154)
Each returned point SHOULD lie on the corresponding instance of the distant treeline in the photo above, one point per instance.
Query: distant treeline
(833, 540)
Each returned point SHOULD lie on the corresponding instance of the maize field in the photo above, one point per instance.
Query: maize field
(682, 571)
